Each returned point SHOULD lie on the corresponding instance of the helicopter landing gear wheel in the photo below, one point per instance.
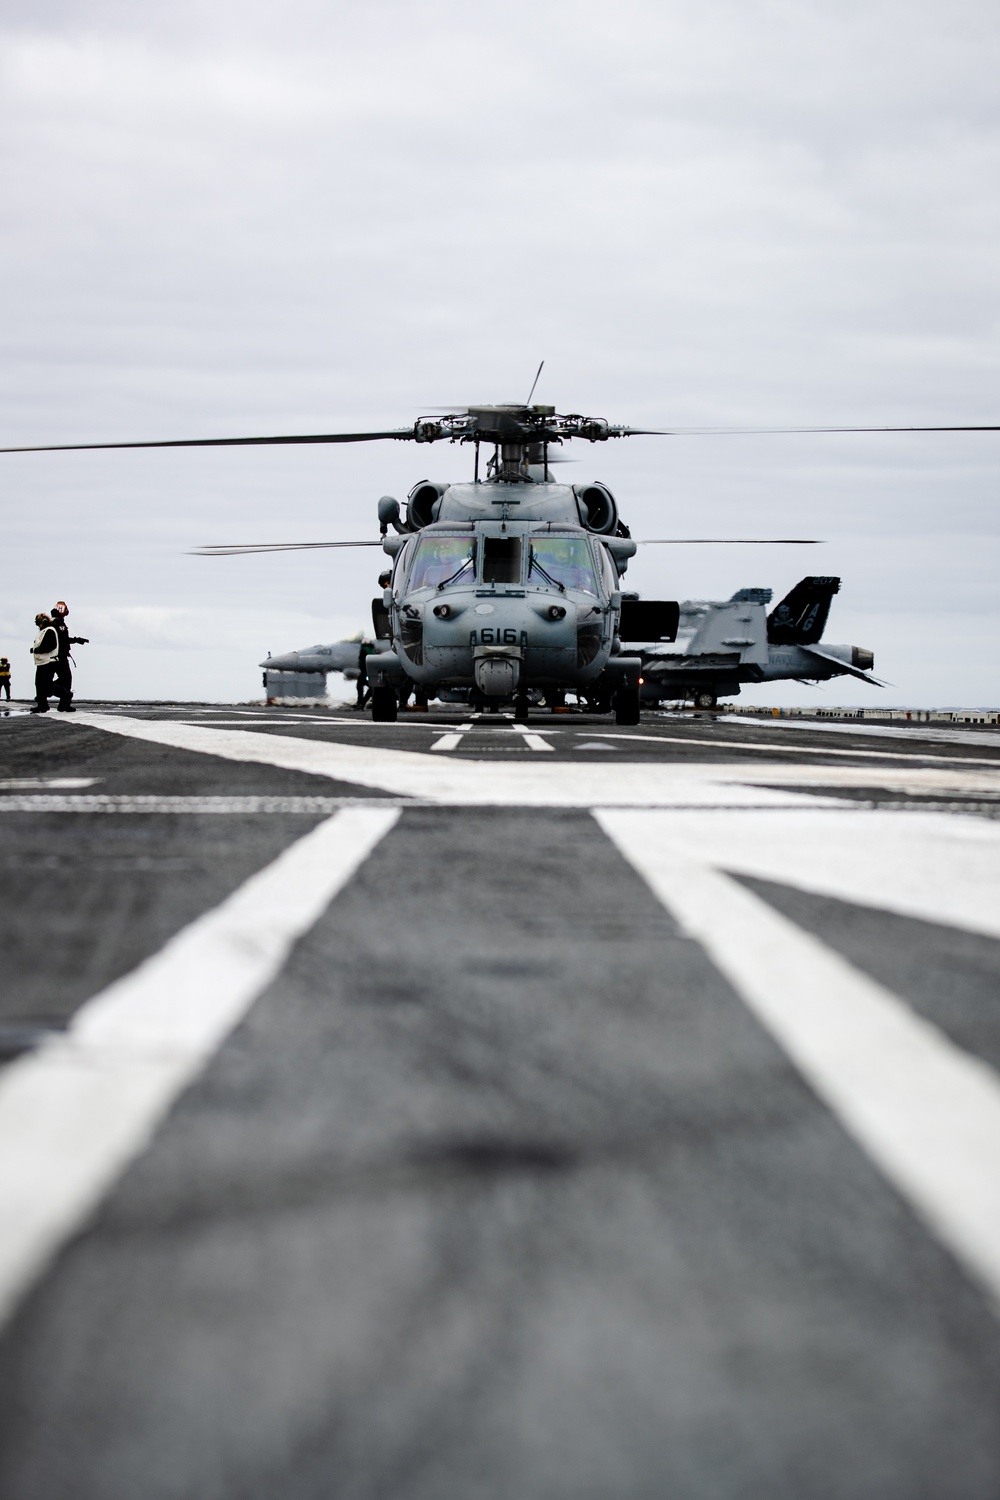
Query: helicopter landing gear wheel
(705, 700)
(627, 706)
(385, 705)
(520, 710)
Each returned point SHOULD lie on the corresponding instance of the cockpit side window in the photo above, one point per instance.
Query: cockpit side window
(440, 560)
(609, 573)
(564, 560)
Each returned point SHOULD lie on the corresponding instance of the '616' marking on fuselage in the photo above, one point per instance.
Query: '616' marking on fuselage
(492, 635)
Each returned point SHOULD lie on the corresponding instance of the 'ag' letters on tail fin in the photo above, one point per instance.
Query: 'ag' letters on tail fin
(800, 618)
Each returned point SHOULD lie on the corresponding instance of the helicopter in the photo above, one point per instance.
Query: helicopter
(510, 583)
(509, 586)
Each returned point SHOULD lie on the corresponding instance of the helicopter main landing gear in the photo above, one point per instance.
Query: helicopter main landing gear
(627, 705)
(705, 700)
(385, 705)
(520, 710)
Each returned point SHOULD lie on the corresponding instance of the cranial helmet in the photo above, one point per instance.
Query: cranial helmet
(42, 620)
(60, 607)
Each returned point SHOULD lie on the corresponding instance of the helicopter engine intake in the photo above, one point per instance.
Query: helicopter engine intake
(597, 507)
(424, 504)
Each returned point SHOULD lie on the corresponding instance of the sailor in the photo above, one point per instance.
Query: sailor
(5, 676)
(45, 650)
(64, 672)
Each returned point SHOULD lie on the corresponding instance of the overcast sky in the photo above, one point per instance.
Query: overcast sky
(256, 218)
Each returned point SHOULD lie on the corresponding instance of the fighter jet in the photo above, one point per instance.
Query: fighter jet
(339, 656)
(722, 644)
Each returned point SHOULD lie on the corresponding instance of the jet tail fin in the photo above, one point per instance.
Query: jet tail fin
(800, 618)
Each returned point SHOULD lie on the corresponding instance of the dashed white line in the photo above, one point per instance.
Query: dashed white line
(230, 805)
(74, 1114)
(53, 783)
(925, 1111)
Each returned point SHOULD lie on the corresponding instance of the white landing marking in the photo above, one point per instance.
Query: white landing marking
(453, 740)
(920, 781)
(535, 741)
(227, 723)
(76, 1113)
(566, 784)
(936, 869)
(240, 806)
(50, 783)
(927, 1113)
(468, 782)
(985, 738)
(853, 754)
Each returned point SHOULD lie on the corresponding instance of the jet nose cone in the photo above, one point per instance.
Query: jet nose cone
(287, 663)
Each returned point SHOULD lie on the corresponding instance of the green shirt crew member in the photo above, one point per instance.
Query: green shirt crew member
(5, 676)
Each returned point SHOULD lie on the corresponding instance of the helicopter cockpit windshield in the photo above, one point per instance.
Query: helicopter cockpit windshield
(441, 560)
(564, 562)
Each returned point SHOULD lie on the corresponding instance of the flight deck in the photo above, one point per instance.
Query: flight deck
(459, 1108)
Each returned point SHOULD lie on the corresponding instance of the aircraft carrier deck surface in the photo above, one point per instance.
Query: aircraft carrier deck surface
(454, 1109)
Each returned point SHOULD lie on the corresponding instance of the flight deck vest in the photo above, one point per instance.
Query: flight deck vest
(44, 657)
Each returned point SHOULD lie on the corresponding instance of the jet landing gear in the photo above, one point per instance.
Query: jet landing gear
(385, 705)
(627, 705)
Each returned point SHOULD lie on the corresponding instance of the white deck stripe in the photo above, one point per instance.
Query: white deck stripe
(534, 741)
(927, 1113)
(74, 1114)
(468, 782)
(229, 805)
(475, 783)
(941, 870)
(985, 739)
(824, 750)
(52, 783)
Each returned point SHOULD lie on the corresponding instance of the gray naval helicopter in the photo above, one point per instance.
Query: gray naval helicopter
(509, 585)
(511, 582)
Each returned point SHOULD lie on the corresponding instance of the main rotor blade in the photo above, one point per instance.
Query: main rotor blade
(401, 434)
(241, 548)
(729, 541)
(408, 434)
(791, 431)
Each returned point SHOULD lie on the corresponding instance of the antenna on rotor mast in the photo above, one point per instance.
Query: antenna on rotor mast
(534, 383)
